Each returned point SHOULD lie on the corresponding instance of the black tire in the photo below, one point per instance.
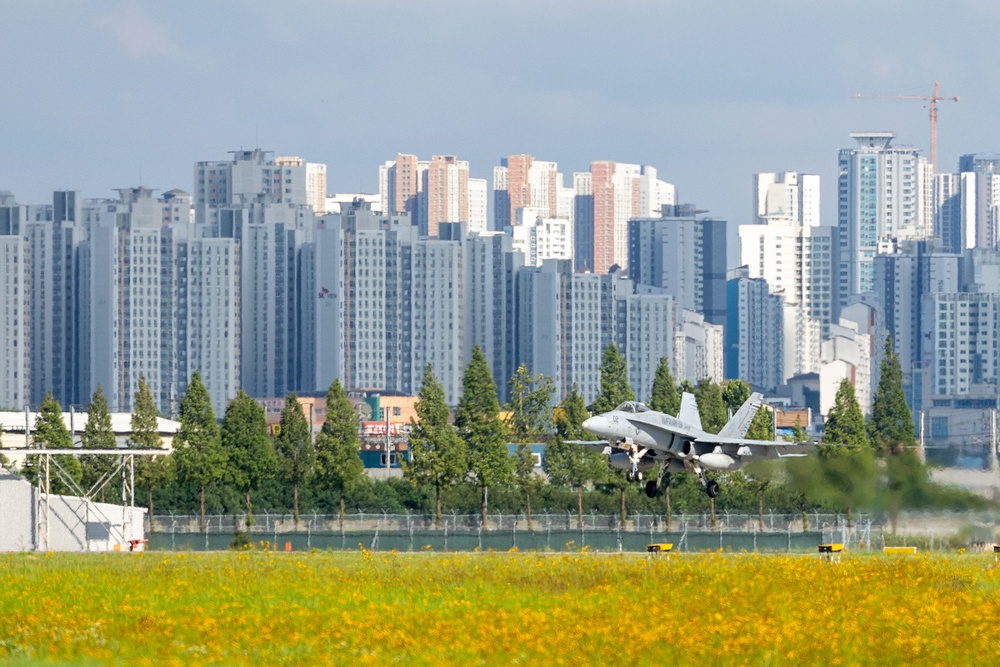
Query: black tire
(651, 488)
(628, 476)
(638, 475)
(712, 488)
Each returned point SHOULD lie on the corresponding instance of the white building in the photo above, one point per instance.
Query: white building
(884, 192)
(698, 349)
(846, 354)
(786, 195)
(315, 178)
(478, 198)
(252, 175)
(431, 319)
(14, 298)
(541, 238)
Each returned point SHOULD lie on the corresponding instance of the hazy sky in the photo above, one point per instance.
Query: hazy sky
(96, 94)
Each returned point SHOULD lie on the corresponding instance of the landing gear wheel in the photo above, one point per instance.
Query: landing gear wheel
(629, 476)
(712, 488)
(651, 488)
(638, 475)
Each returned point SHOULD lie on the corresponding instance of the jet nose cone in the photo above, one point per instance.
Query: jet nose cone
(594, 424)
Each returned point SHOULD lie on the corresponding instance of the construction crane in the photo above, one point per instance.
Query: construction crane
(933, 99)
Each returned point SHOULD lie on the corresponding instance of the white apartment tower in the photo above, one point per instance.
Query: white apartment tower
(884, 194)
(14, 328)
(315, 178)
(786, 195)
(541, 238)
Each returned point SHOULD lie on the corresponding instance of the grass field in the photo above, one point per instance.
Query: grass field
(423, 608)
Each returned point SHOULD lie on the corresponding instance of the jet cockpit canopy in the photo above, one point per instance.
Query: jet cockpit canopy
(632, 406)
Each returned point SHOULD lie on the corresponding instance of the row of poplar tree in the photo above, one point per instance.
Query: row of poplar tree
(862, 465)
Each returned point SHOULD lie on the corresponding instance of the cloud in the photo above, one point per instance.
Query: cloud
(138, 35)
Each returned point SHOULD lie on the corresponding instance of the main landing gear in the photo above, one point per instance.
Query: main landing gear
(710, 485)
(653, 485)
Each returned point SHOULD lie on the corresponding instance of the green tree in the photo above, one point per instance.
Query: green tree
(567, 463)
(97, 434)
(734, 394)
(51, 433)
(524, 474)
(296, 454)
(891, 424)
(200, 459)
(477, 418)
(151, 472)
(529, 406)
(338, 465)
(615, 388)
(438, 455)
(686, 387)
(664, 396)
(711, 407)
(249, 452)
(843, 478)
(762, 424)
(845, 425)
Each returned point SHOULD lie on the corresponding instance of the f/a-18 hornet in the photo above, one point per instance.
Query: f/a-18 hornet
(637, 439)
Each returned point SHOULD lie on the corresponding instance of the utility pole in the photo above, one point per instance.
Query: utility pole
(932, 101)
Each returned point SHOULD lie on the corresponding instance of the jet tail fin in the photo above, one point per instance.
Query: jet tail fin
(689, 411)
(738, 426)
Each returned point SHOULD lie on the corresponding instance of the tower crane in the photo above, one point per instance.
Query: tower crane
(932, 100)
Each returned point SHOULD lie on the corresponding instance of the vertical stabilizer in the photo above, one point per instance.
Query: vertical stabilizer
(738, 426)
(689, 411)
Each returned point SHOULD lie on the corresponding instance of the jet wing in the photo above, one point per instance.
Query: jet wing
(763, 449)
(599, 446)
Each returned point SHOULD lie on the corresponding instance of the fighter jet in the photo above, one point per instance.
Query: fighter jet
(637, 439)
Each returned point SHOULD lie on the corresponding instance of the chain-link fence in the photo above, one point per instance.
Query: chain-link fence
(565, 531)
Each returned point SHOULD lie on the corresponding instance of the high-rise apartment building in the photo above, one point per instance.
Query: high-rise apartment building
(619, 192)
(541, 238)
(315, 176)
(445, 194)
(884, 194)
(251, 176)
(904, 281)
(15, 358)
(754, 334)
(430, 192)
(786, 195)
(478, 207)
(490, 266)
(430, 322)
(583, 222)
(399, 183)
(522, 182)
(566, 319)
(684, 256)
